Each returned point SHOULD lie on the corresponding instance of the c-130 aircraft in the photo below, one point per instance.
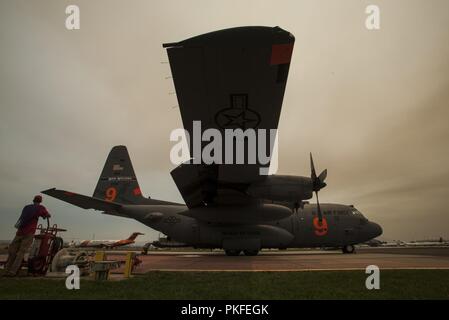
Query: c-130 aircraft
(230, 79)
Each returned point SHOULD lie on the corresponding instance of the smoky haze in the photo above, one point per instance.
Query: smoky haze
(372, 106)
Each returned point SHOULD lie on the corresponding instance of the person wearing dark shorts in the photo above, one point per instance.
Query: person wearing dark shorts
(26, 227)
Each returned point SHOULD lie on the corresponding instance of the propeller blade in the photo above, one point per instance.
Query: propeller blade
(312, 167)
(323, 176)
(320, 215)
(317, 183)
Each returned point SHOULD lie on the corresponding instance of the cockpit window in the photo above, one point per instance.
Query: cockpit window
(356, 212)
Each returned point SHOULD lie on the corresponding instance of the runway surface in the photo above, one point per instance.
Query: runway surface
(307, 260)
(298, 260)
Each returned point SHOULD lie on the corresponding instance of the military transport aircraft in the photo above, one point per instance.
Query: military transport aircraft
(118, 193)
(232, 79)
(109, 243)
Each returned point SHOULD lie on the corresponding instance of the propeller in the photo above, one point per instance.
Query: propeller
(317, 184)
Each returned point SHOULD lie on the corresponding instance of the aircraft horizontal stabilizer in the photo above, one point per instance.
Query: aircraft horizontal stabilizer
(83, 201)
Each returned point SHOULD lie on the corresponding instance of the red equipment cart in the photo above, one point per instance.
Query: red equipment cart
(45, 245)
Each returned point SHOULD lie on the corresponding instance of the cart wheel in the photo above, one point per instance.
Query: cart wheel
(58, 243)
(36, 265)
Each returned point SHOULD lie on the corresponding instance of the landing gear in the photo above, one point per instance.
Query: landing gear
(250, 252)
(232, 252)
(348, 249)
(246, 252)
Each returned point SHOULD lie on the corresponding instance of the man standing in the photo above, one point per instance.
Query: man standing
(26, 226)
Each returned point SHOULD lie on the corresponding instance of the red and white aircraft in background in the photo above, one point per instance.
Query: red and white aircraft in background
(108, 243)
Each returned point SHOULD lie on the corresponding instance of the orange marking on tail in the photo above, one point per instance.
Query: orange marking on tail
(281, 53)
(137, 192)
(111, 194)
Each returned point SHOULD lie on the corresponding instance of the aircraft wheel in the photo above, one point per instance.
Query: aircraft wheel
(232, 252)
(250, 252)
(348, 249)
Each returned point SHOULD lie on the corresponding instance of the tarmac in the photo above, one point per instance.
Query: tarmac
(301, 260)
(294, 260)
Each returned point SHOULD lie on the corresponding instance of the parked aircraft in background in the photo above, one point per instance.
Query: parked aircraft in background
(108, 243)
(428, 243)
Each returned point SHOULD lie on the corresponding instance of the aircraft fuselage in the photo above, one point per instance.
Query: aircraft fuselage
(341, 226)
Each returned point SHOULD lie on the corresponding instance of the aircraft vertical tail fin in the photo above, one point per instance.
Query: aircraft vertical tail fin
(118, 182)
(134, 235)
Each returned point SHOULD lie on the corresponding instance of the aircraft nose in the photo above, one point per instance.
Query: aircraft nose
(375, 230)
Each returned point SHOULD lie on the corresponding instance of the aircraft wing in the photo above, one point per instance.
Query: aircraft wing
(229, 79)
(82, 201)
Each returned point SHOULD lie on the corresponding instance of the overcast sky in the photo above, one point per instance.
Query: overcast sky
(373, 106)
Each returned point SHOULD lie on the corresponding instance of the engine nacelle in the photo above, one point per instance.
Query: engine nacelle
(250, 214)
(282, 188)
